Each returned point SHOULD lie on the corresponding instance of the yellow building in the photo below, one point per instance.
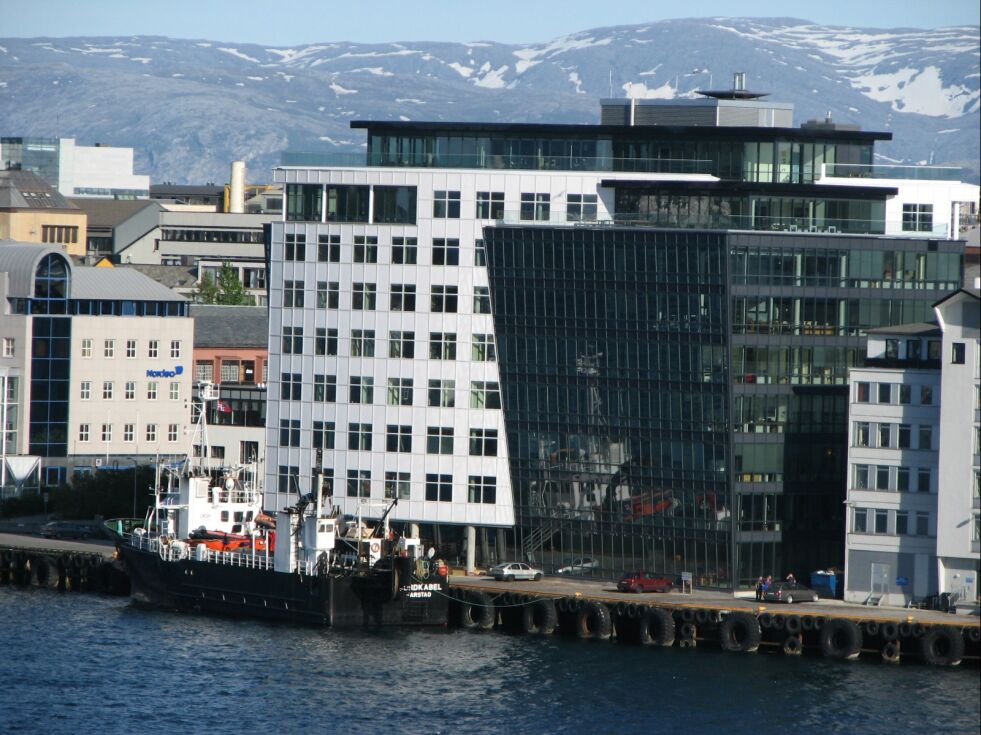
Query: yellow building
(31, 210)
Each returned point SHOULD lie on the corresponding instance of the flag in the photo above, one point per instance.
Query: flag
(224, 407)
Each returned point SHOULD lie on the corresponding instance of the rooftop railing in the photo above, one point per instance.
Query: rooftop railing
(879, 171)
(514, 162)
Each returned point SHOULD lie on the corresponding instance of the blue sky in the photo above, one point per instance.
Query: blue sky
(295, 22)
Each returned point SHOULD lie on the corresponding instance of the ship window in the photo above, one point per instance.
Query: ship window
(224, 516)
(237, 528)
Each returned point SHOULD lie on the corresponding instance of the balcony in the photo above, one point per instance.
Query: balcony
(878, 171)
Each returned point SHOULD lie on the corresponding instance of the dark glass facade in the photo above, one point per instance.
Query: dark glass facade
(613, 360)
(677, 399)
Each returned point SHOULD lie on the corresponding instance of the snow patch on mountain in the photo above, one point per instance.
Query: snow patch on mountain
(339, 90)
(238, 54)
(918, 90)
(463, 71)
(493, 79)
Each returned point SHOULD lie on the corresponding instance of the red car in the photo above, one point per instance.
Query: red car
(644, 582)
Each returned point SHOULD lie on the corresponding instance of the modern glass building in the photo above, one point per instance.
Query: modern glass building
(627, 342)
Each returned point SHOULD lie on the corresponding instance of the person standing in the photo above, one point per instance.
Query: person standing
(759, 588)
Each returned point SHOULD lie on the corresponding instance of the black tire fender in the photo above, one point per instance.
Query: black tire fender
(889, 630)
(806, 623)
(477, 611)
(766, 620)
(740, 632)
(890, 652)
(778, 621)
(593, 621)
(687, 615)
(871, 627)
(793, 645)
(942, 645)
(792, 624)
(539, 618)
(702, 616)
(841, 639)
(656, 627)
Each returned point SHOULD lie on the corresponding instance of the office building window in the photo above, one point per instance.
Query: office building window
(230, 371)
(404, 250)
(917, 217)
(536, 207)
(905, 394)
(286, 478)
(394, 205)
(293, 294)
(85, 390)
(129, 431)
(446, 204)
(323, 434)
(365, 249)
(892, 349)
(442, 346)
(862, 392)
(958, 353)
(885, 392)
(881, 520)
(359, 483)
(152, 348)
(86, 348)
(862, 434)
(885, 430)
(400, 391)
(398, 438)
(175, 391)
(490, 205)
(479, 253)
(328, 294)
(439, 488)
(204, 370)
(481, 489)
(922, 524)
(902, 479)
(483, 349)
(325, 388)
(107, 390)
(402, 344)
(923, 480)
(861, 477)
(444, 299)
(913, 349)
(295, 246)
(83, 432)
(902, 522)
(329, 248)
(175, 349)
(485, 395)
(362, 390)
(446, 252)
(441, 393)
(291, 387)
(581, 207)
(151, 432)
(363, 296)
(293, 340)
(439, 440)
(882, 477)
(926, 395)
(904, 433)
(107, 432)
(362, 343)
(151, 390)
(131, 348)
(325, 341)
(130, 390)
(402, 297)
(483, 442)
(359, 437)
(926, 437)
(109, 348)
(397, 485)
(481, 300)
(289, 432)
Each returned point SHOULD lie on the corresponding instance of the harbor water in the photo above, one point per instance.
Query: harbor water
(95, 664)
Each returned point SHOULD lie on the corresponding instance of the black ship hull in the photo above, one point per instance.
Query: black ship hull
(381, 597)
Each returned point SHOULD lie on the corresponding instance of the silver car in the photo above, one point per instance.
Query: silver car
(512, 570)
(585, 565)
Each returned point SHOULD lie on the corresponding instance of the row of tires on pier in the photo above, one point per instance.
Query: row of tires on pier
(736, 631)
(69, 571)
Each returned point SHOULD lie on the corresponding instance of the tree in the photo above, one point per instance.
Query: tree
(228, 290)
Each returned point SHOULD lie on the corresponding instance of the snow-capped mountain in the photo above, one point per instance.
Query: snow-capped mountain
(189, 107)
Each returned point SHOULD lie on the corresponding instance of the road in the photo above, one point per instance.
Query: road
(33, 541)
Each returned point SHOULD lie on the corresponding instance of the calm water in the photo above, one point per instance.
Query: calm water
(85, 663)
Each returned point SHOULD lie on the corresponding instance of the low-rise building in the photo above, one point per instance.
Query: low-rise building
(31, 210)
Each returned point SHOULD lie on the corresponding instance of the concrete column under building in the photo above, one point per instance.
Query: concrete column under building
(471, 549)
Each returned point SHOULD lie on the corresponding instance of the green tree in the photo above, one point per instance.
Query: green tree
(228, 290)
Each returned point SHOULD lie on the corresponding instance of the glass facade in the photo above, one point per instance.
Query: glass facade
(612, 350)
(677, 400)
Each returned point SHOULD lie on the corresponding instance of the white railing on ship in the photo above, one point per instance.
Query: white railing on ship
(181, 551)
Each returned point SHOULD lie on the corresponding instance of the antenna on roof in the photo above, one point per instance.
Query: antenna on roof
(611, 82)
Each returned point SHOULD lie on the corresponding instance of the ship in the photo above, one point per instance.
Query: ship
(207, 546)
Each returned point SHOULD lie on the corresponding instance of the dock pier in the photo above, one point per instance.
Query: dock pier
(589, 610)
(62, 566)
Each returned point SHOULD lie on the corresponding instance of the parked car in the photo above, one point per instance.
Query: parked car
(584, 565)
(644, 582)
(66, 529)
(789, 592)
(510, 571)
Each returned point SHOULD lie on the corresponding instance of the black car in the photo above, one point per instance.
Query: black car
(66, 529)
(789, 592)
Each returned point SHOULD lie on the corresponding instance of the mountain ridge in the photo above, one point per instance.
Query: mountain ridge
(190, 106)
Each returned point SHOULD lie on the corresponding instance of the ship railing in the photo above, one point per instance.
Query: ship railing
(178, 551)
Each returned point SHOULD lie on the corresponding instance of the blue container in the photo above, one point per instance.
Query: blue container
(828, 584)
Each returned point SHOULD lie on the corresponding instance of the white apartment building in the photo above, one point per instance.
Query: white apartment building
(959, 498)
(894, 431)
